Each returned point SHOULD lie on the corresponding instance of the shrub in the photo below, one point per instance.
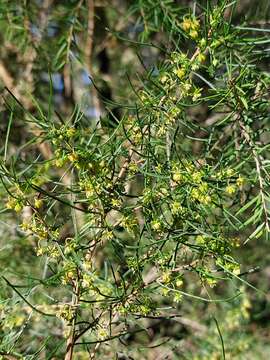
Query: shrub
(130, 217)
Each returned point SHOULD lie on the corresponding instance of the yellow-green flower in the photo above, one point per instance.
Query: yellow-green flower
(190, 24)
(102, 333)
(38, 203)
(178, 297)
(186, 24)
(70, 132)
(230, 172)
(212, 282)
(163, 79)
(240, 181)
(108, 235)
(177, 176)
(205, 199)
(176, 207)
(10, 204)
(133, 167)
(161, 131)
(66, 312)
(165, 291)
(53, 251)
(59, 162)
(73, 157)
(166, 277)
(179, 282)
(116, 203)
(196, 176)
(201, 57)
(25, 226)
(196, 94)
(156, 225)
(40, 251)
(186, 87)
(194, 34)
(203, 43)
(230, 189)
(18, 207)
(158, 168)
(200, 239)
(180, 73)
(87, 281)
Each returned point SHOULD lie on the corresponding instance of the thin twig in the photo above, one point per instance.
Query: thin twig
(72, 337)
(259, 167)
(90, 34)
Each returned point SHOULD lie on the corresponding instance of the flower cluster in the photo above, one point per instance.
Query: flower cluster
(191, 26)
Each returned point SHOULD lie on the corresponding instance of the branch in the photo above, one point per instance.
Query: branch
(90, 34)
(259, 167)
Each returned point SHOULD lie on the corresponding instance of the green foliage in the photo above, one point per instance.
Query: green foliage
(128, 222)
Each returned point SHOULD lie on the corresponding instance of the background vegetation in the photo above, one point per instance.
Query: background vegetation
(134, 179)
